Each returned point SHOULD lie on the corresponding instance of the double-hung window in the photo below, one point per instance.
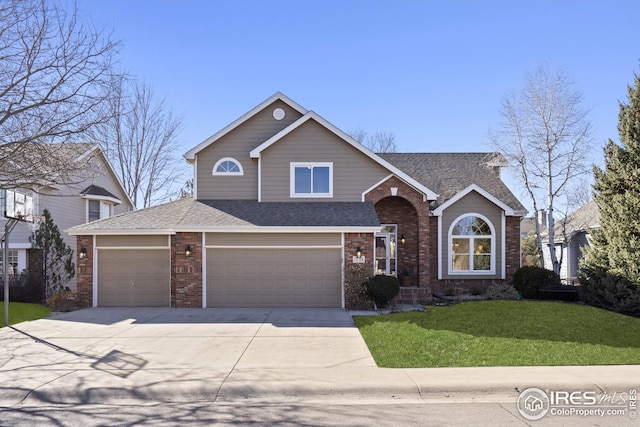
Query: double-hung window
(312, 179)
(99, 209)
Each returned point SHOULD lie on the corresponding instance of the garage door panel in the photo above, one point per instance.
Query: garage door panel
(251, 277)
(134, 277)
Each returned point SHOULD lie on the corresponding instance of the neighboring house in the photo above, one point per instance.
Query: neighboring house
(571, 237)
(95, 193)
(285, 203)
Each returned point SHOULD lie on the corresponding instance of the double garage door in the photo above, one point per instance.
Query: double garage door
(254, 277)
(240, 272)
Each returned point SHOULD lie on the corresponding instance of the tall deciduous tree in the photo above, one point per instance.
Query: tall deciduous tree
(379, 142)
(57, 257)
(141, 141)
(616, 245)
(54, 74)
(545, 135)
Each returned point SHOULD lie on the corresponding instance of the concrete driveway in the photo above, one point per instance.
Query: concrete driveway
(168, 354)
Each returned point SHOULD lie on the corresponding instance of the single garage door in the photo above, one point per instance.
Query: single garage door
(250, 277)
(130, 278)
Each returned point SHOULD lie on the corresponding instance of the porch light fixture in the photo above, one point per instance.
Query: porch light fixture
(358, 252)
(83, 253)
(402, 239)
(187, 251)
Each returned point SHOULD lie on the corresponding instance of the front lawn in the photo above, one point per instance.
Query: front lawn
(22, 312)
(502, 333)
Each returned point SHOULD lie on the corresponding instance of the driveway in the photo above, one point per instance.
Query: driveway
(106, 354)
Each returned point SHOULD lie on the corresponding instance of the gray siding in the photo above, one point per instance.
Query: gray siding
(472, 203)
(353, 172)
(237, 144)
(68, 208)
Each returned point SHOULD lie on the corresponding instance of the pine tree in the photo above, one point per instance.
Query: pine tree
(610, 272)
(57, 257)
(616, 247)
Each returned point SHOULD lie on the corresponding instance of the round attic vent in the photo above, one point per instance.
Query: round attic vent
(278, 114)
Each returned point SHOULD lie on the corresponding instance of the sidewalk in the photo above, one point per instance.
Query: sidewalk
(174, 355)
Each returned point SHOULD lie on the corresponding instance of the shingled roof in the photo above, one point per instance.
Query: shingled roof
(449, 173)
(188, 214)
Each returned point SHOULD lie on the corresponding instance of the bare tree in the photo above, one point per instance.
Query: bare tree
(379, 142)
(545, 135)
(140, 140)
(54, 74)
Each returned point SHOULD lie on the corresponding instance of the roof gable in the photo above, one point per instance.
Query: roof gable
(190, 155)
(256, 152)
(473, 187)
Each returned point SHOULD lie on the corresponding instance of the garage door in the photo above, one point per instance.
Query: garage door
(249, 277)
(128, 277)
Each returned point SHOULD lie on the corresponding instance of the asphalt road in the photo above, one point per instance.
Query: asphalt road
(349, 413)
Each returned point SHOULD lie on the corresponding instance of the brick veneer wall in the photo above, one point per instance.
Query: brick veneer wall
(417, 229)
(354, 295)
(186, 271)
(84, 272)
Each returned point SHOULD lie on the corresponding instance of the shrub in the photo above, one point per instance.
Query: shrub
(450, 292)
(476, 291)
(502, 290)
(602, 289)
(66, 300)
(382, 289)
(529, 279)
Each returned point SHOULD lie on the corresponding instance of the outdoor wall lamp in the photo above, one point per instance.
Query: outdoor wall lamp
(358, 252)
(187, 251)
(83, 253)
(402, 239)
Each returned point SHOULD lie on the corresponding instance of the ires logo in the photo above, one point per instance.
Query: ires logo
(575, 398)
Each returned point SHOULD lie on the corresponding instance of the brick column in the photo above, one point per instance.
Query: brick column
(512, 246)
(186, 271)
(354, 297)
(84, 271)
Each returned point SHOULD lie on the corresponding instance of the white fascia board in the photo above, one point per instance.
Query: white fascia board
(190, 155)
(365, 192)
(255, 153)
(109, 232)
(106, 198)
(256, 229)
(473, 187)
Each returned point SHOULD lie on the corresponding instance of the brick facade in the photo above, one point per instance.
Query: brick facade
(186, 271)
(356, 273)
(84, 271)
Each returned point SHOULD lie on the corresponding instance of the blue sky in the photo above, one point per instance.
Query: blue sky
(432, 72)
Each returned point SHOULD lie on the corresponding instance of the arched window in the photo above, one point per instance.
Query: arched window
(472, 243)
(227, 166)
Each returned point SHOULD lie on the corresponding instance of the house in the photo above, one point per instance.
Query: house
(571, 237)
(285, 203)
(95, 192)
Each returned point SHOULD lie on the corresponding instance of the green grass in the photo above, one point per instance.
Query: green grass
(22, 312)
(502, 333)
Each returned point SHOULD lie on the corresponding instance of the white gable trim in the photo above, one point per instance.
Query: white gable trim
(508, 211)
(255, 153)
(191, 154)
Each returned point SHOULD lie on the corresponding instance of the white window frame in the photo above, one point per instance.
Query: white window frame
(492, 237)
(227, 159)
(103, 204)
(292, 175)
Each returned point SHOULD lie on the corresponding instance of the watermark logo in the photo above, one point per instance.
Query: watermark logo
(533, 404)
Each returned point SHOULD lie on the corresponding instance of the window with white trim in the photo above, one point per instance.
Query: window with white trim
(312, 179)
(12, 263)
(228, 166)
(472, 243)
(98, 209)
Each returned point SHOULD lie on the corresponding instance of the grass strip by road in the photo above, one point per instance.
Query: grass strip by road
(23, 312)
(502, 333)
